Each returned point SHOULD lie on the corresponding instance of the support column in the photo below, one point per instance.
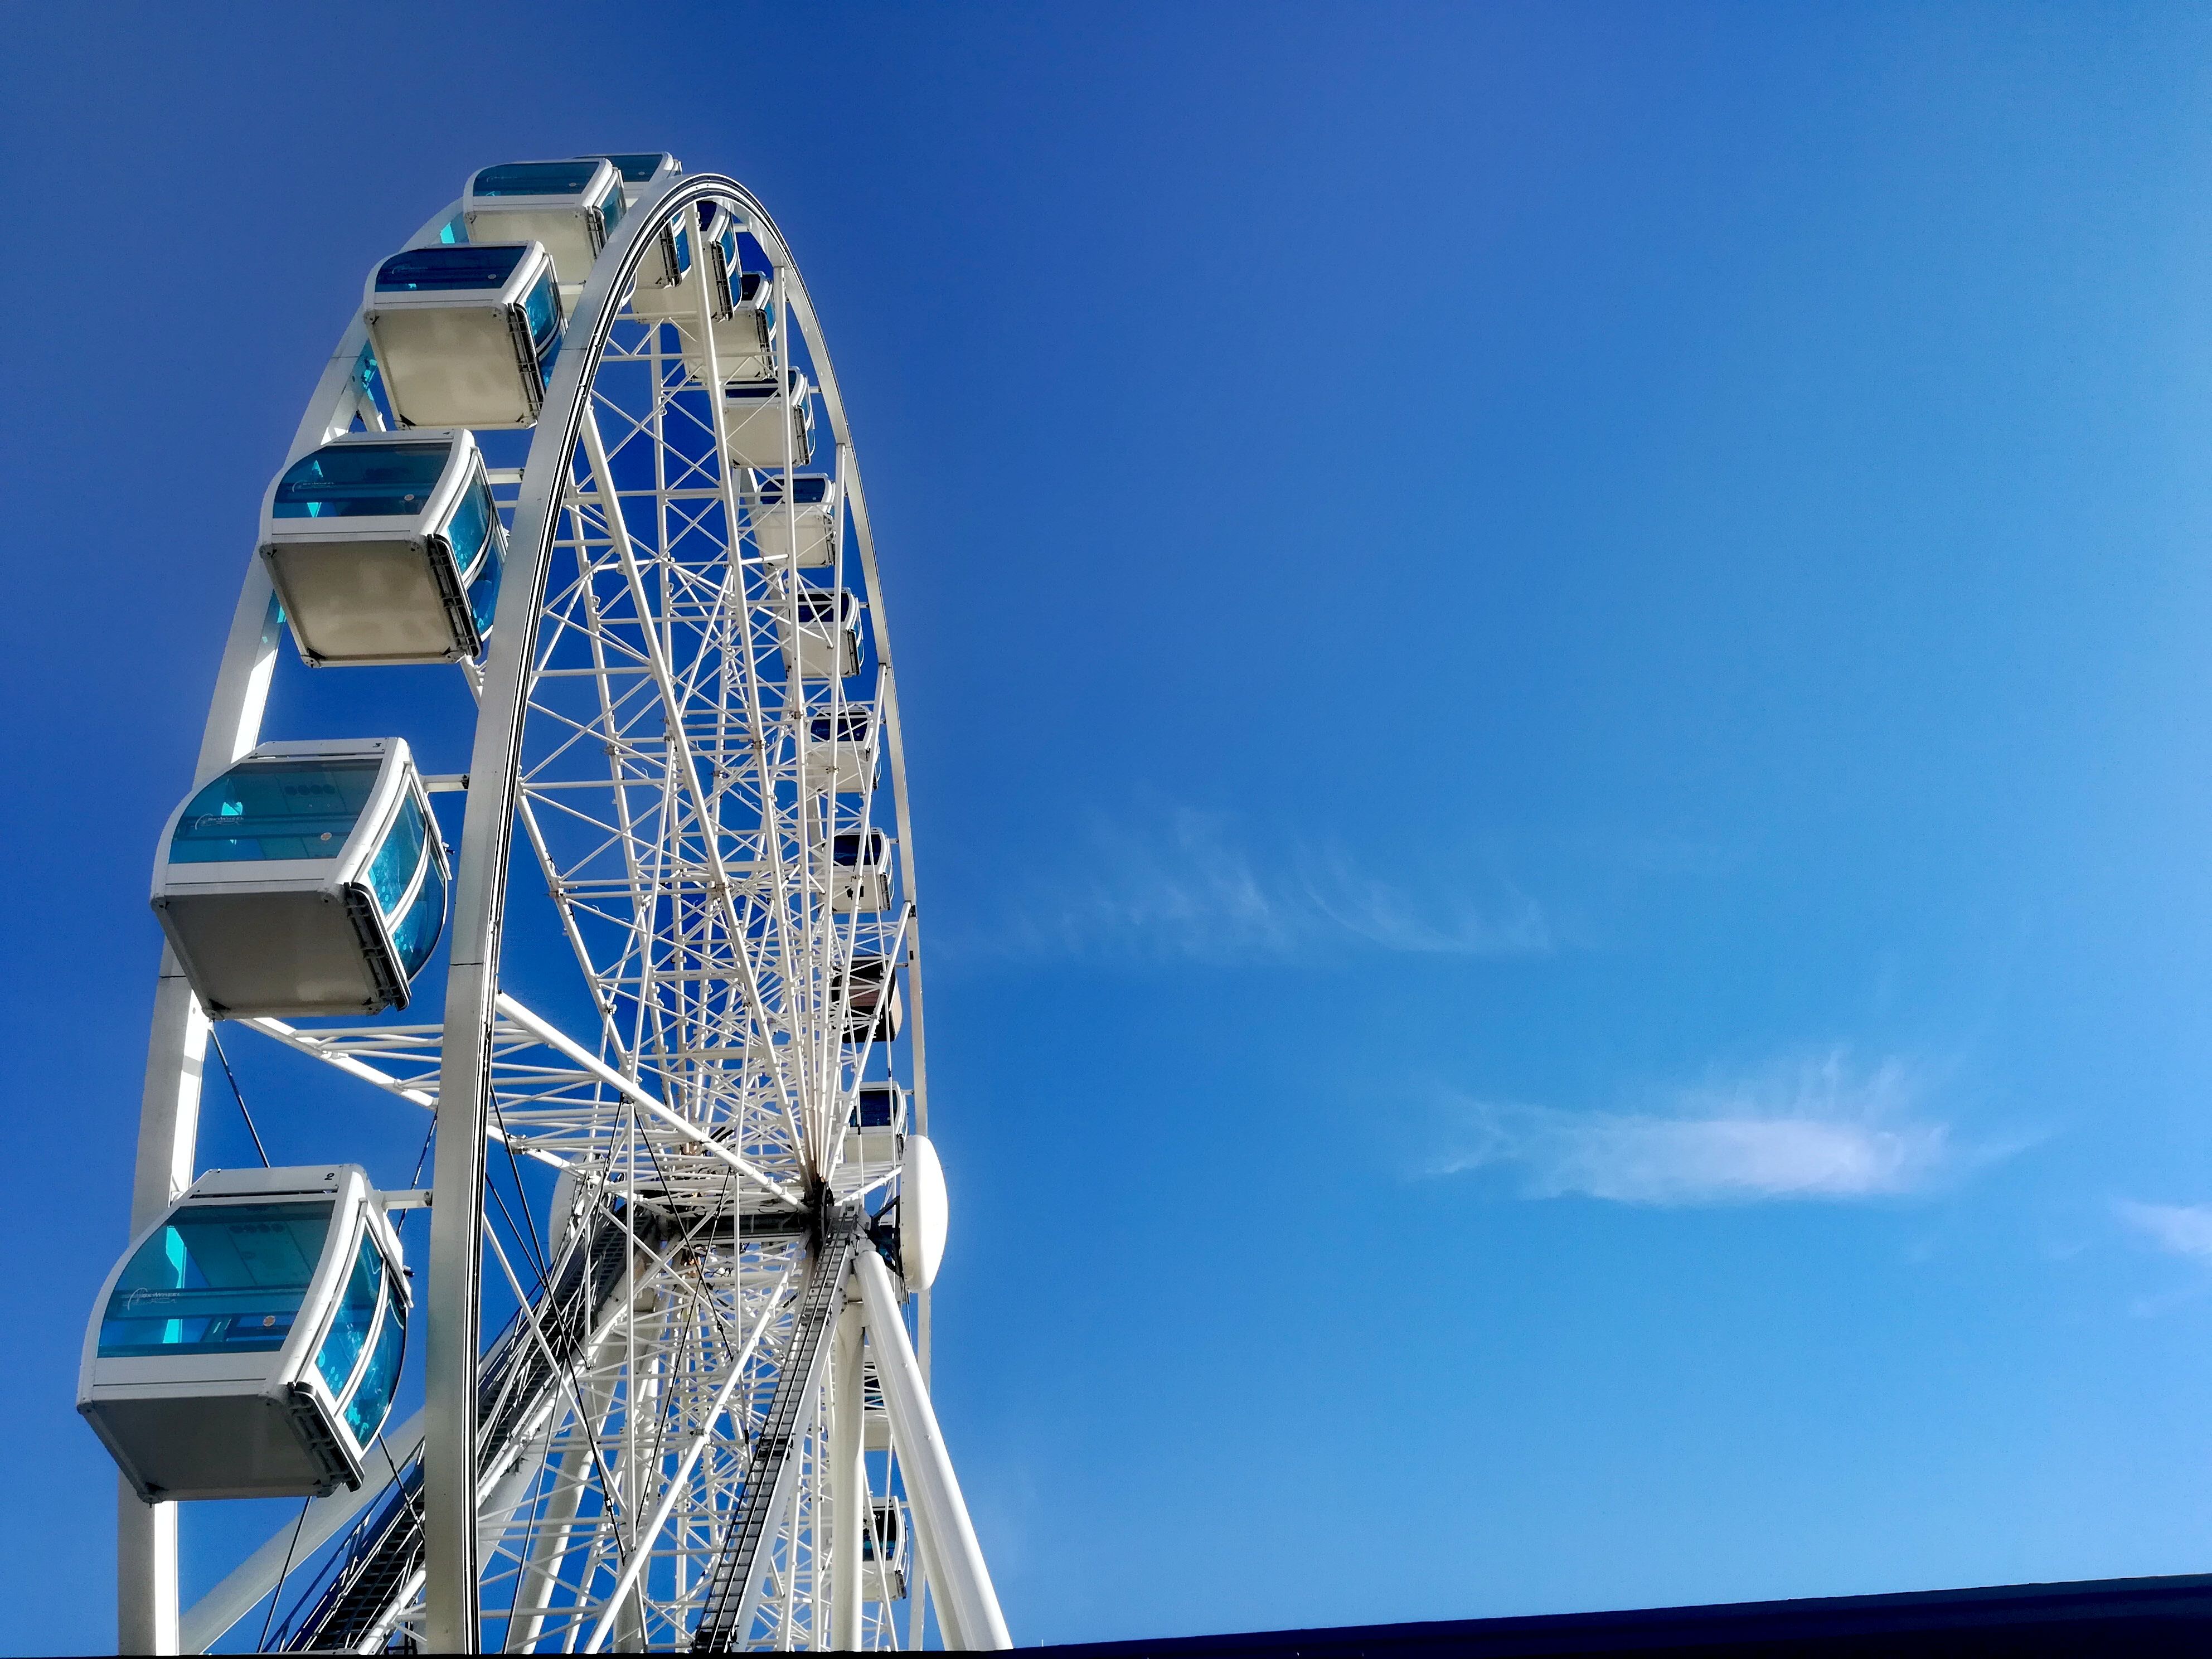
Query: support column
(849, 1484)
(168, 1134)
(169, 1107)
(968, 1606)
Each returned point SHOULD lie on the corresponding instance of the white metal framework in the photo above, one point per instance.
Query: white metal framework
(672, 1397)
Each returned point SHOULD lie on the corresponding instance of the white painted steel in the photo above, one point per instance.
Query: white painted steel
(955, 1560)
(849, 1481)
(710, 1094)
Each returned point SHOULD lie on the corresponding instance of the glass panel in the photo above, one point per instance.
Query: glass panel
(484, 591)
(807, 488)
(545, 361)
(816, 605)
(886, 1531)
(868, 984)
(536, 178)
(216, 1279)
(274, 809)
(636, 169)
(851, 727)
(874, 1111)
(611, 209)
(683, 250)
(372, 382)
(470, 527)
(542, 308)
(392, 870)
(471, 265)
(349, 1327)
(352, 481)
(372, 1396)
(854, 850)
(416, 934)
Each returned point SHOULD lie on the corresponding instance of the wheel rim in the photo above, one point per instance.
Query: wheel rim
(649, 1420)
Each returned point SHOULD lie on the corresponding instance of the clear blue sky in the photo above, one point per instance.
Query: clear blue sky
(1556, 662)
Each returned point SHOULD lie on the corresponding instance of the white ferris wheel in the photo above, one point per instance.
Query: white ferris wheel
(581, 456)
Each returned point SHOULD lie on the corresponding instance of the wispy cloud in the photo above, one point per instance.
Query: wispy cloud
(1431, 920)
(1820, 1128)
(1188, 886)
(2178, 1229)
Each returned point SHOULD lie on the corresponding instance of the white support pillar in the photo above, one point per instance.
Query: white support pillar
(146, 1620)
(966, 1605)
(848, 1485)
(168, 1134)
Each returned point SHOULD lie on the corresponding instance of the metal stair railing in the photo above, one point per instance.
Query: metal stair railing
(357, 1591)
(742, 1570)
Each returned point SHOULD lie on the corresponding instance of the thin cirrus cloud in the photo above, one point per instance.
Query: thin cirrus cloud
(2178, 1228)
(1187, 888)
(1815, 1129)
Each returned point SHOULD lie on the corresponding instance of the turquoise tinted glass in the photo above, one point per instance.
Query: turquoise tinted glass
(356, 1314)
(535, 178)
(545, 361)
(470, 527)
(352, 481)
(372, 1396)
(216, 1279)
(392, 870)
(436, 269)
(484, 591)
(543, 308)
(611, 210)
(416, 934)
(274, 809)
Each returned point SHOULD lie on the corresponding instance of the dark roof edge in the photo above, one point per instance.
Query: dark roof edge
(2111, 1609)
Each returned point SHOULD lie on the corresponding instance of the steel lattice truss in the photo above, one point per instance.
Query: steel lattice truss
(681, 790)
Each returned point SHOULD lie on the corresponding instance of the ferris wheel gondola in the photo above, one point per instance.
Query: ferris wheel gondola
(674, 1393)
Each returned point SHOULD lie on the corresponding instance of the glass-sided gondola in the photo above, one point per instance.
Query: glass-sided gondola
(641, 171)
(861, 870)
(571, 207)
(248, 1343)
(385, 550)
(801, 529)
(882, 1553)
(756, 433)
(828, 644)
(841, 749)
(875, 1012)
(743, 317)
(308, 878)
(878, 1125)
(465, 334)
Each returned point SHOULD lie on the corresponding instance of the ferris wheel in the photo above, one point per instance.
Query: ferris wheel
(582, 459)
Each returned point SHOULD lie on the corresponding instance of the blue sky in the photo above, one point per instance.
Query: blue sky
(1554, 667)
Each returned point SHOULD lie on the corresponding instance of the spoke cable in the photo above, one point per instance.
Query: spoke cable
(238, 1095)
(277, 1590)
